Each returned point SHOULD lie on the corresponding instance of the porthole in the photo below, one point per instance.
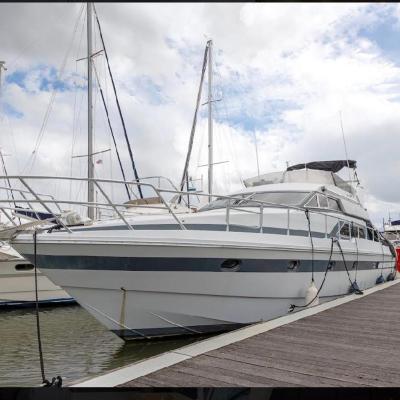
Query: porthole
(24, 267)
(331, 265)
(231, 265)
(293, 265)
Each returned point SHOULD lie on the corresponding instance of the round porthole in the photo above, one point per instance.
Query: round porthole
(24, 267)
(231, 265)
(293, 265)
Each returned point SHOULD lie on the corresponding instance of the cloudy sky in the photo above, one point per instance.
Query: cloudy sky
(284, 73)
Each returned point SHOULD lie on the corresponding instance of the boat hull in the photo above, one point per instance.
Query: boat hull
(159, 288)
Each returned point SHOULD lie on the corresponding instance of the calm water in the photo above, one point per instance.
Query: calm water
(75, 346)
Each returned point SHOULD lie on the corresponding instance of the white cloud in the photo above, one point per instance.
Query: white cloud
(284, 72)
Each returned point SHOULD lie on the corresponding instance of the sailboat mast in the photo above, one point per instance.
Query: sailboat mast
(90, 111)
(210, 123)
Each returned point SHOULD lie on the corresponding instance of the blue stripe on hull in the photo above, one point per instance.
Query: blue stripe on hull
(189, 264)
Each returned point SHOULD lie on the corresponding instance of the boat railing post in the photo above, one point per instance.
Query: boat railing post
(326, 226)
(112, 205)
(261, 217)
(59, 221)
(288, 221)
(7, 216)
(168, 207)
(227, 216)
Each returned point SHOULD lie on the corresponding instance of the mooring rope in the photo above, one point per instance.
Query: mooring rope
(58, 380)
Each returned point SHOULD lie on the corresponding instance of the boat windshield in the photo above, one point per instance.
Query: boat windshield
(280, 198)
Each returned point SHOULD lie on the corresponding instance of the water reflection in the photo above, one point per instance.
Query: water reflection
(75, 346)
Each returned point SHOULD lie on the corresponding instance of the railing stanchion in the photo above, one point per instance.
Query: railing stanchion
(112, 205)
(227, 216)
(8, 217)
(59, 221)
(169, 208)
(326, 226)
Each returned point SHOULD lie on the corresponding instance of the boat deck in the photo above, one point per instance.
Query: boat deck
(353, 341)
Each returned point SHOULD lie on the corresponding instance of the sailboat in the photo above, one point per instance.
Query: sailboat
(249, 256)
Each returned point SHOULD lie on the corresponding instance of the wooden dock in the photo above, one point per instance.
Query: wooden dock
(353, 342)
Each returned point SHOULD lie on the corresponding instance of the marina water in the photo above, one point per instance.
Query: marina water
(75, 346)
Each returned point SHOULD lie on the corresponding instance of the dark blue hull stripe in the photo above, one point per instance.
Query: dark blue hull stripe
(101, 263)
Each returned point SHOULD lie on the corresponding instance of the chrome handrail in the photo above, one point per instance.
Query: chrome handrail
(43, 202)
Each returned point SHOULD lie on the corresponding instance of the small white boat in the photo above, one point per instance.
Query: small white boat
(17, 283)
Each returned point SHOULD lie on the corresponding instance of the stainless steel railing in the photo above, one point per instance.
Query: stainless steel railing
(45, 200)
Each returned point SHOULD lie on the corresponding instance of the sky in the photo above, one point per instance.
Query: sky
(284, 75)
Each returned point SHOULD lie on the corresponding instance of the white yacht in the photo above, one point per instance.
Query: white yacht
(248, 257)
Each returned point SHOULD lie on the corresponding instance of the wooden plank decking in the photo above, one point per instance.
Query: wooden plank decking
(353, 344)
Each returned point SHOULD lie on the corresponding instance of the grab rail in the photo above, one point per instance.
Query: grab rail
(39, 198)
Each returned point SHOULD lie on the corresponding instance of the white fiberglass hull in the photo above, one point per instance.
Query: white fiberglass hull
(17, 283)
(151, 284)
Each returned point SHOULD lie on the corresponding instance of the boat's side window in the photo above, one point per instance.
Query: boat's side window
(323, 201)
(345, 230)
(370, 234)
(376, 236)
(354, 231)
(312, 203)
(361, 232)
(333, 204)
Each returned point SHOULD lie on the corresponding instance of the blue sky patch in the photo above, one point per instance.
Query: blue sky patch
(11, 111)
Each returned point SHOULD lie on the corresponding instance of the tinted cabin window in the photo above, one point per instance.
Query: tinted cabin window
(345, 231)
(221, 202)
(376, 236)
(370, 234)
(354, 231)
(361, 233)
(281, 198)
(323, 201)
(334, 204)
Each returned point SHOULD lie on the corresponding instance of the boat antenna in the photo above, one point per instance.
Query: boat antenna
(193, 130)
(118, 105)
(90, 111)
(256, 145)
(344, 143)
(210, 122)
(2, 68)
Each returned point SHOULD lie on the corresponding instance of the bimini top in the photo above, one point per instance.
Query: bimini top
(332, 166)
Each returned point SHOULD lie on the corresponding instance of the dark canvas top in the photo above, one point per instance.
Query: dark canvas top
(333, 166)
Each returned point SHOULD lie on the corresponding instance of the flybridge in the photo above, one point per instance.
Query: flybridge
(323, 172)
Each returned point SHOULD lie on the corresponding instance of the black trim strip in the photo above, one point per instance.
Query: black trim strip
(16, 304)
(174, 331)
(100, 263)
